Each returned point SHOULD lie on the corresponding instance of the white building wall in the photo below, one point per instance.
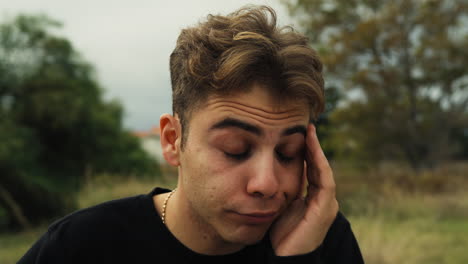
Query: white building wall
(152, 145)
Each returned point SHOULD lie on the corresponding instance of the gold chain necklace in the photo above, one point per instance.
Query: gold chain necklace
(163, 216)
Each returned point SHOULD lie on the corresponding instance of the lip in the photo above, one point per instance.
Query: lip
(255, 218)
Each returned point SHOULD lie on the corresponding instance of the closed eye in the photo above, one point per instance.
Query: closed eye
(284, 158)
(238, 156)
(287, 154)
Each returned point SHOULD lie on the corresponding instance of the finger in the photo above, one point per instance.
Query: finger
(303, 183)
(319, 172)
(311, 170)
(312, 175)
(304, 186)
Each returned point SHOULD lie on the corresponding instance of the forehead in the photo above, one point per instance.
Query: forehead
(256, 106)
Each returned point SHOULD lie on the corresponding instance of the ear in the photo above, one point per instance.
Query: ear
(171, 135)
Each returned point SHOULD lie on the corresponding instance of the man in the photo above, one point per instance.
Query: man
(244, 92)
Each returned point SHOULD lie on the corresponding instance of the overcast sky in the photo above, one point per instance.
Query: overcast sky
(129, 43)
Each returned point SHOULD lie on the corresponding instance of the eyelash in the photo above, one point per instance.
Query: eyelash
(238, 157)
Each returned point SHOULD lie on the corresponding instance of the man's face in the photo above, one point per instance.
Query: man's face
(242, 164)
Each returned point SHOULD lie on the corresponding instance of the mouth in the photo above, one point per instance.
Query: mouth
(255, 218)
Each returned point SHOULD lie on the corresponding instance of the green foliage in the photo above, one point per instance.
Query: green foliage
(324, 129)
(402, 65)
(56, 130)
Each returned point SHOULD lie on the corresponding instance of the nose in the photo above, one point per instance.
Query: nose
(263, 181)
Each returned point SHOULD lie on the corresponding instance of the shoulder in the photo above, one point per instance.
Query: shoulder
(340, 225)
(119, 211)
(340, 244)
(88, 235)
(112, 232)
(99, 230)
(102, 215)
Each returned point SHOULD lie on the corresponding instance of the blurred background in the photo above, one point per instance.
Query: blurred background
(82, 86)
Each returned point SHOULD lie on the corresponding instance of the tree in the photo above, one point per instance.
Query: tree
(55, 127)
(403, 66)
(324, 128)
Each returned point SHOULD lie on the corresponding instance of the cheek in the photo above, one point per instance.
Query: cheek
(211, 172)
(291, 179)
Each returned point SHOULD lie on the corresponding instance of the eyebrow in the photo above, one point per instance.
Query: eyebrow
(232, 122)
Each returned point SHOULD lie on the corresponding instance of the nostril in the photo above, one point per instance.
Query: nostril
(258, 194)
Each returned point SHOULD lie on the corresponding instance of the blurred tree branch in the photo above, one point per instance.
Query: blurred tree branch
(403, 66)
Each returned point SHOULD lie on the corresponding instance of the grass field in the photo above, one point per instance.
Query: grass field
(397, 217)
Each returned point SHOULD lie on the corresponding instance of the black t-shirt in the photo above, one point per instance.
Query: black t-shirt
(130, 230)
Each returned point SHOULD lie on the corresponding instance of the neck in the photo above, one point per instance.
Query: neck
(192, 231)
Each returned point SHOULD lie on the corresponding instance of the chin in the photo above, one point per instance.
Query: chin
(247, 235)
